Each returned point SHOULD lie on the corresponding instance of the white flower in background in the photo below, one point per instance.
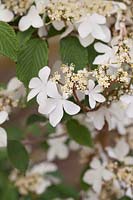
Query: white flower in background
(120, 152)
(128, 101)
(118, 118)
(97, 175)
(90, 195)
(3, 134)
(94, 94)
(41, 5)
(57, 147)
(56, 104)
(99, 117)
(15, 88)
(108, 56)
(3, 138)
(39, 85)
(40, 177)
(31, 19)
(93, 27)
(5, 14)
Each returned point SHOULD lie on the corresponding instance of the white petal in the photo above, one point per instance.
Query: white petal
(44, 74)
(126, 99)
(101, 59)
(70, 107)
(42, 97)
(95, 163)
(33, 93)
(98, 32)
(3, 138)
(111, 152)
(36, 20)
(58, 25)
(85, 42)
(24, 23)
(34, 83)
(98, 89)
(42, 186)
(63, 152)
(52, 90)
(85, 28)
(107, 34)
(3, 116)
(14, 84)
(48, 106)
(101, 48)
(51, 154)
(107, 175)
(67, 31)
(91, 85)
(92, 102)
(129, 110)
(99, 19)
(98, 97)
(56, 115)
(6, 15)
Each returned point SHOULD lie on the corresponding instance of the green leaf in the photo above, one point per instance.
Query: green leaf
(125, 198)
(35, 118)
(31, 58)
(8, 41)
(10, 193)
(73, 52)
(14, 133)
(59, 191)
(18, 155)
(24, 36)
(79, 133)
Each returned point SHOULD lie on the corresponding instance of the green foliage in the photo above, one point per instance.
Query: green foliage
(79, 133)
(18, 155)
(59, 191)
(125, 198)
(24, 37)
(8, 41)
(35, 118)
(72, 52)
(14, 133)
(31, 58)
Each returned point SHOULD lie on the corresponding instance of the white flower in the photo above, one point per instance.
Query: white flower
(55, 106)
(39, 85)
(31, 19)
(3, 134)
(120, 152)
(15, 88)
(3, 138)
(5, 14)
(41, 5)
(108, 56)
(93, 27)
(43, 168)
(43, 179)
(94, 94)
(99, 117)
(57, 147)
(97, 175)
(128, 101)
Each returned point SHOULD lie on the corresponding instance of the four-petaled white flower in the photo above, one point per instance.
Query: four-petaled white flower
(108, 56)
(94, 94)
(97, 175)
(39, 85)
(128, 101)
(31, 19)
(5, 14)
(57, 146)
(55, 105)
(120, 152)
(93, 27)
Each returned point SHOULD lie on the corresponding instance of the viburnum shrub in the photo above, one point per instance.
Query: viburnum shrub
(82, 103)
